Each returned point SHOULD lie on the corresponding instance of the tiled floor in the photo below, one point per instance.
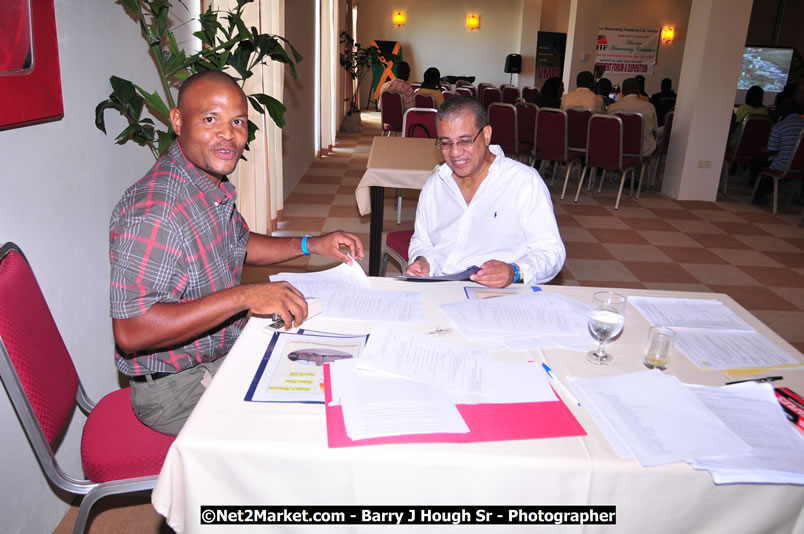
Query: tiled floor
(728, 246)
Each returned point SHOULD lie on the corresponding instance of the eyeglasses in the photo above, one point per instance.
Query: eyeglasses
(462, 143)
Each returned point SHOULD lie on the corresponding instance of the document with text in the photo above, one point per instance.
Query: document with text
(318, 284)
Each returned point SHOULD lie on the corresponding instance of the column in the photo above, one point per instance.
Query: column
(584, 24)
(706, 92)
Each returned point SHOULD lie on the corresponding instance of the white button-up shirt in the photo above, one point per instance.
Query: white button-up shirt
(510, 219)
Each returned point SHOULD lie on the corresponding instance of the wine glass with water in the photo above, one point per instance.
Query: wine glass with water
(606, 320)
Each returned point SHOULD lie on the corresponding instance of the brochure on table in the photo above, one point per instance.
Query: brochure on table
(292, 368)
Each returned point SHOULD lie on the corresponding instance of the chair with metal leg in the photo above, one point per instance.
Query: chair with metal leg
(118, 453)
(604, 150)
(551, 144)
(793, 170)
(391, 112)
(396, 248)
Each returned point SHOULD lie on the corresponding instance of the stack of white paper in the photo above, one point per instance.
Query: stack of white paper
(654, 416)
(751, 410)
(738, 433)
(711, 335)
(402, 375)
(346, 293)
(523, 322)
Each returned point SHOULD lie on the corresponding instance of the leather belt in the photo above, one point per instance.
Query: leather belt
(144, 378)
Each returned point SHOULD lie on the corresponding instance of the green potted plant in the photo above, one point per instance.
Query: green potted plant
(356, 60)
(226, 43)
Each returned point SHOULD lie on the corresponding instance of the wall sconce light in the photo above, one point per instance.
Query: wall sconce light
(399, 19)
(667, 34)
(472, 22)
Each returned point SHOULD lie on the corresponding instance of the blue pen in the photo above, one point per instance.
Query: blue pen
(560, 385)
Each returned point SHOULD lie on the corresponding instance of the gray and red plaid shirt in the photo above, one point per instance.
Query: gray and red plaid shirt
(175, 237)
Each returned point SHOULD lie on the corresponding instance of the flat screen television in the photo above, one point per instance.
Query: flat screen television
(765, 66)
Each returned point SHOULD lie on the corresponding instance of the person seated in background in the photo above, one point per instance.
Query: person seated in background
(480, 208)
(431, 85)
(753, 106)
(584, 96)
(604, 89)
(177, 245)
(550, 95)
(400, 85)
(664, 100)
(630, 102)
(789, 91)
(781, 143)
(642, 94)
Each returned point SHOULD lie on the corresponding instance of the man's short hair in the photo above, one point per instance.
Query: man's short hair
(667, 84)
(458, 105)
(630, 86)
(403, 71)
(585, 79)
(213, 75)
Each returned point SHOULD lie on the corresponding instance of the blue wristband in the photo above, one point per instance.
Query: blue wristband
(304, 245)
(516, 273)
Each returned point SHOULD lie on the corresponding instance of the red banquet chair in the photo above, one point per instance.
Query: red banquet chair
(419, 122)
(664, 144)
(465, 90)
(529, 93)
(396, 248)
(633, 130)
(510, 94)
(577, 124)
(552, 144)
(751, 139)
(118, 453)
(526, 128)
(424, 101)
(490, 95)
(502, 118)
(793, 170)
(391, 112)
(604, 150)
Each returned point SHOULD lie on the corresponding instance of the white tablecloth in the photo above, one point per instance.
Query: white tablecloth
(233, 452)
(404, 162)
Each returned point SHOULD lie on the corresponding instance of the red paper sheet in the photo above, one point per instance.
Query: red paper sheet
(486, 422)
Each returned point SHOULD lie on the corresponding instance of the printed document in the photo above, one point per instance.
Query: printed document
(377, 404)
(292, 368)
(753, 413)
(374, 305)
(730, 349)
(688, 313)
(318, 284)
(657, 417)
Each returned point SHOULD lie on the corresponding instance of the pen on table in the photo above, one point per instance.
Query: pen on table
(560, 385)
(763, 379)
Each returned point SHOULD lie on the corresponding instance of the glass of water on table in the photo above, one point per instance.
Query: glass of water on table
(606, 320)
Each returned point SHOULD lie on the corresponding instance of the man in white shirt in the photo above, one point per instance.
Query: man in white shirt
(631, 103)
(482, 208)
(584, 96)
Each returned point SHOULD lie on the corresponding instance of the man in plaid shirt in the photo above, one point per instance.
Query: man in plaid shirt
(177, 249)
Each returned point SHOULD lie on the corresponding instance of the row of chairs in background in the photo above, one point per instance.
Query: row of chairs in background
(577, 139)
(752, 140)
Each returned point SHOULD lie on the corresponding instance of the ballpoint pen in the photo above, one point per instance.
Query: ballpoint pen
(560, 385)
(763, 379)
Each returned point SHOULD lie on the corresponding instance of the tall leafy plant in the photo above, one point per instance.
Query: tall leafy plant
(226, 43)
(357, 60)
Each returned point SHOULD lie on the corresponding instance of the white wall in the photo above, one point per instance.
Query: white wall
(60, 183)
(298, 143)
(435, 35)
